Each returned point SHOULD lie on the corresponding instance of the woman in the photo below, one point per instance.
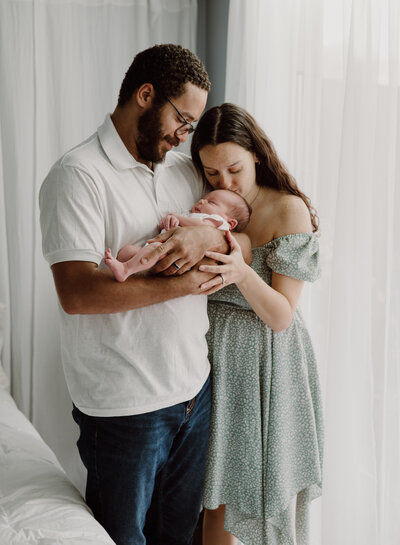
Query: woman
(266, 430)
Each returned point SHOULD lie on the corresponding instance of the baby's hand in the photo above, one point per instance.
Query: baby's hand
(169, 222)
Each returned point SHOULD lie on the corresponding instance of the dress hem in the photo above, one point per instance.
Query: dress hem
(287, 539)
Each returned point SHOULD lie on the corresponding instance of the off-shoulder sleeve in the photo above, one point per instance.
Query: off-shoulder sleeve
(295, 255)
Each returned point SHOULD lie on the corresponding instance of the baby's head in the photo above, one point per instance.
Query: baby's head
(229, 205)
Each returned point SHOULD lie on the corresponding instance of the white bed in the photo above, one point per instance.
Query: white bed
(38, 503)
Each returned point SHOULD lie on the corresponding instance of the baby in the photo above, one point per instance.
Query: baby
(221, 208)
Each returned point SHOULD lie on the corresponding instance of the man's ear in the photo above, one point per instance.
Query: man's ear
(232, 223)
(145, 95)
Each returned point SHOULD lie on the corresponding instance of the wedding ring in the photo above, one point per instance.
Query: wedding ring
(222, 278)
(177, 267)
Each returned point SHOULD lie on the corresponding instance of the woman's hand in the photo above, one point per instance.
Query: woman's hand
(232, 268)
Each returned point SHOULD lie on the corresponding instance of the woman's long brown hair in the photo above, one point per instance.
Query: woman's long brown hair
(231, 123)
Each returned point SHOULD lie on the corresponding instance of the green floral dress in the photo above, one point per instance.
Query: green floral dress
(266, 437)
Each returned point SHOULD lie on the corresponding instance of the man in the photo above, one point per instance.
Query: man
(134, 353)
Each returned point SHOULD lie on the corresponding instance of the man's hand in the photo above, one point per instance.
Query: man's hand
(186, 246)
(193, 281)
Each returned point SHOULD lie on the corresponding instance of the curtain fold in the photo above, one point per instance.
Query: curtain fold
(4, 281)
(323, 79)
(61, 66)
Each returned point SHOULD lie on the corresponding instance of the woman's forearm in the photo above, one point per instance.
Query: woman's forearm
(271, 306)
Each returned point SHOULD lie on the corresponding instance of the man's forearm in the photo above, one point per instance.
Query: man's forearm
(86, 289)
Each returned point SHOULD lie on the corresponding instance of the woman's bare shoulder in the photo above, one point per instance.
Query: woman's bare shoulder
(292, 216)
(278, 214)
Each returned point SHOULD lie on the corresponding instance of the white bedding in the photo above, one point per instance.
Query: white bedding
(38, 503)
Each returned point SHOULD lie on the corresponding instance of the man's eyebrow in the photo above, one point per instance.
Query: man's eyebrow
(228, 166)
(188, 116)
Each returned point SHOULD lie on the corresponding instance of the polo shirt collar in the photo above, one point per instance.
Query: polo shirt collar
(114, 147)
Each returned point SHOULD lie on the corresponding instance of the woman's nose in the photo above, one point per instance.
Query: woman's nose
(225, 181)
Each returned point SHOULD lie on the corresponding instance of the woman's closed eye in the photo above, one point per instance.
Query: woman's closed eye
(216, 173)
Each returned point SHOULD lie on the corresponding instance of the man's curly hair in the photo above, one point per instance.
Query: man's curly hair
(168, 67)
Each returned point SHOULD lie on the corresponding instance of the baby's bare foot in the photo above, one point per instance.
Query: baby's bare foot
(118, 268)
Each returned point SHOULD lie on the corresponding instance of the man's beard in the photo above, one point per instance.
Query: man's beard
(150, 136)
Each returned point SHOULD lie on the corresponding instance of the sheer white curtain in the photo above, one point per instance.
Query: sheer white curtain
(61, 65)
(323, 79)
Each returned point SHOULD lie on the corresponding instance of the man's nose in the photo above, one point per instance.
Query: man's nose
(182, 137)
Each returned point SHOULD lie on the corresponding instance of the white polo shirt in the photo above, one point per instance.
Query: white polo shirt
(98, 196)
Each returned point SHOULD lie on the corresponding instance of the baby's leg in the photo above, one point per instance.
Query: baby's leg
(117, 267)
(122, 270)
(128, 251)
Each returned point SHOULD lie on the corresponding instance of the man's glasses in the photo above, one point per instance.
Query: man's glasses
(186, 127)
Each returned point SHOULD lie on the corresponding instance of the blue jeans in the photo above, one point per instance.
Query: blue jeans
(146, 472)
